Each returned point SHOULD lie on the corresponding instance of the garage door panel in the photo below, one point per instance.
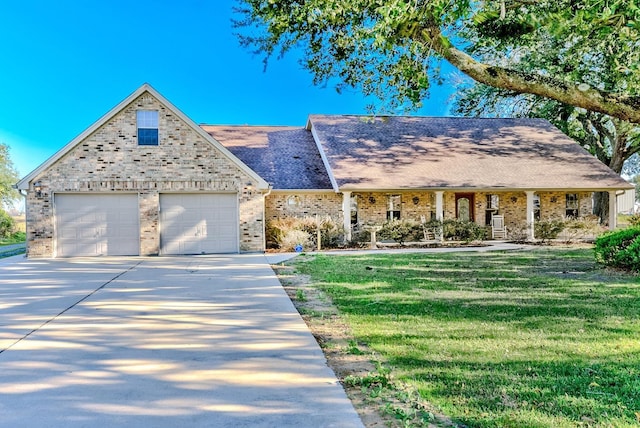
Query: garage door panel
(199, 223)
(96, 225)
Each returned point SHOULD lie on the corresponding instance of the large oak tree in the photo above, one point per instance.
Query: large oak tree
(387, 48)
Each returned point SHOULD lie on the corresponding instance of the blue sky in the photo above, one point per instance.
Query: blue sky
(66, 63)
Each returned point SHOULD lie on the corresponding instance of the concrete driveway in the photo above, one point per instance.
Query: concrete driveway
(159, 342)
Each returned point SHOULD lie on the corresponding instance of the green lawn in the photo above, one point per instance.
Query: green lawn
(523, 339)
(16, 238)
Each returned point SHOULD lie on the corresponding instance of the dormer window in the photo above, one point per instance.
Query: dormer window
(147, 121)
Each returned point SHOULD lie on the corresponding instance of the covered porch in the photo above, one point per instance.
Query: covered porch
(520, 209)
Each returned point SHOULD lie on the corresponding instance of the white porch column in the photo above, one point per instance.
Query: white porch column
(530, 217)
(613, 210)
(439, 205)
(346, 214)
(440, 211)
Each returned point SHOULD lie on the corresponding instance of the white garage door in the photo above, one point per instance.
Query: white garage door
(199, 223)
(97, 225)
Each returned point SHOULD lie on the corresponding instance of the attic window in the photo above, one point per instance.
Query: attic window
(147, 121)
(293, 201)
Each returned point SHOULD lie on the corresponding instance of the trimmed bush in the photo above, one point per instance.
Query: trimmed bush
(466, 231)
(546, 230)
(401, 231)
(518, 232)
(619, 249)
(360, 238)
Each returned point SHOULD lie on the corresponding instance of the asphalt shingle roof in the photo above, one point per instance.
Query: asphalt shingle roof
(286, 157)
(432, 152)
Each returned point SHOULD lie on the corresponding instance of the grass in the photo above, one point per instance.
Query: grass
(16, 238)
(530, 339)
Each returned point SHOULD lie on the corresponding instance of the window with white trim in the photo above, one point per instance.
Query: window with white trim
(493, 205)
(147, 122)
(354, 210)
(394, 203)
(572, 205)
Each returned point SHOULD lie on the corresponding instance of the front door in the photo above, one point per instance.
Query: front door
(464, 206)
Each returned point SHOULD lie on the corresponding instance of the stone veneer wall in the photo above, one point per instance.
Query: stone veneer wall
(110, 160)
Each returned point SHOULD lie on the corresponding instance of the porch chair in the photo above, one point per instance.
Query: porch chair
(429, 234)
(498, 229)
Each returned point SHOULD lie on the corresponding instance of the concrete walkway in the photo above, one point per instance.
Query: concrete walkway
(159, 342)
(275, 258)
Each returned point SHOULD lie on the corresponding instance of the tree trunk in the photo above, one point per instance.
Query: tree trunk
(601, 206)
(619, 154)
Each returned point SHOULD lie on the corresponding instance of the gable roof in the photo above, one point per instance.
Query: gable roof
(286, 157)
(24, 183)
(393, 153)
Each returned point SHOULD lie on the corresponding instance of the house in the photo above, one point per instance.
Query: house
(145, 179)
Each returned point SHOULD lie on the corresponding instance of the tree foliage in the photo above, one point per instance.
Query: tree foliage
(390, 48)
(8, 177)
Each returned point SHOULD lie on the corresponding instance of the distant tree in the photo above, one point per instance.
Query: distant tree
(8, 177)
(387, 48)
(636, 180)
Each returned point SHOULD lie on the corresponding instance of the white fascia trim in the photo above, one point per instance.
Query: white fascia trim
(323, 155)
(24, 183)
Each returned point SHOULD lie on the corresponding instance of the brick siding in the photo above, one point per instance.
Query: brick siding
(110, 160)
(304, 205)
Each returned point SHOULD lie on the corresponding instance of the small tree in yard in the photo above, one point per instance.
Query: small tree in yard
(7, 224)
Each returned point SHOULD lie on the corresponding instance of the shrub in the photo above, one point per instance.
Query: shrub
(401, 231)
(360, 238)
(294, 237)
(634, 220)
(286, 233)
(547, 230)
(7, 224)
(460, 230)
(331, 234)
(581, 228)
(619, 249)
(519, 232)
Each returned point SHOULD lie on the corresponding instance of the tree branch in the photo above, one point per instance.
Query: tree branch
(615, 105)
